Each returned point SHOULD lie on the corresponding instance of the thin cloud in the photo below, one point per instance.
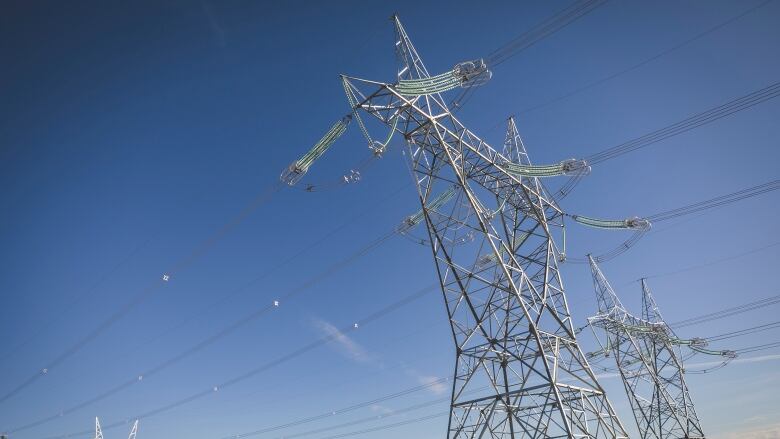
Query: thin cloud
(436, 385)
(348, 347)
(770, 432)
(760, 359)
(219, 31)
(382, 410)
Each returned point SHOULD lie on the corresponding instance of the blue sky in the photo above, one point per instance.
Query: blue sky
(131, 133)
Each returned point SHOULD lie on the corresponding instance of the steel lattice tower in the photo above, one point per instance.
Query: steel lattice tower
(648, 358)
(99, 431)
(519, 371)
(134, 430)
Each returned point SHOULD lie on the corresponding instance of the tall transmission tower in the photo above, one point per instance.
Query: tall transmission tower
(649, 360)
(519, 371)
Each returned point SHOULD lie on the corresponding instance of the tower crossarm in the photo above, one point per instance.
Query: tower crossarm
(439, 131)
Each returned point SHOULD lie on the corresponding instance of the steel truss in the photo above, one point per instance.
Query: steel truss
(519, 371)
(99, 431)
(649, 360)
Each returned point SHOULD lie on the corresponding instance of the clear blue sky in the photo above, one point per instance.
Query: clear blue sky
(131, 132)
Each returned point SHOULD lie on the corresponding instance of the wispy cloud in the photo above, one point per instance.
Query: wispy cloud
(382, 410)
(767, 432)
(219, 32)
(760, 359)
(348, 347)
(436, 385)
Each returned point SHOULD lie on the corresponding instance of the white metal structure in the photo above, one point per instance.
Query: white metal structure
(99, 431)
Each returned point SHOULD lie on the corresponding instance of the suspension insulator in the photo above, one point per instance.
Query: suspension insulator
(412, 220)
(472, 73)
(635, 223)
(293, 173)
(575, 167)
(566, 167)
(466, 74)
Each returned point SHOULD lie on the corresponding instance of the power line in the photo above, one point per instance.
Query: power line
(711, 263)
(734, 106)
(689, 209)
(232, 327)
(186, 262)
(555, 23)
(147, 292)
(388, 426)
(711, 203)
(363, 420)
(728, 312)
(706, 117)
(65, 311)
(353, 379)
(252, 316)
(415, 407)
(571, 15)
(757, 348)
(209, 308)
(552, 25)
(368, 403)
(347, 409)
(271, 364)
(646, 61)
(747, 331)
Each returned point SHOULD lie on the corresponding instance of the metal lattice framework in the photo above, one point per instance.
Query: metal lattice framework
(99, 431)
(134, 430)
(519, 371)
(648, 357)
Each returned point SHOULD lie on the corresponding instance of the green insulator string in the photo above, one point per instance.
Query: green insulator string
(566, 167)
(295, 171)
(535, 171)
(353, 104)
(638, 328)
(630, 223)
(710, 351)
(600, 223)
(320, 147)
(519, 240)
(418, 216)
(424, 86)
(465, 74)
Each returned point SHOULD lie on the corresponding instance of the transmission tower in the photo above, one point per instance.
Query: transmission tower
(134, 430)
(519, 371)
(649, 360)
(99, 432)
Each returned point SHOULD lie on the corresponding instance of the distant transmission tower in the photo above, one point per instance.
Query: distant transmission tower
(519, 371)
(648, 358)
(134, 430)
(99, 432)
